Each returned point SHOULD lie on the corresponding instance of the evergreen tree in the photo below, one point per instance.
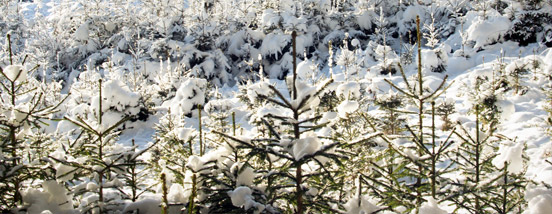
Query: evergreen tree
(93, 164)
(27, 106)
(421, 157)
(297, 152)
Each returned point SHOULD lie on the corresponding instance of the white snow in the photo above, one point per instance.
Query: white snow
(484, 32)
(274, 43)
(365, 205)
(147, 205)
(99, 46)
(110, 26)
(349, 90)
(364, 20)
(218, 106)
(91, 186)
(512, 154)
(355, 43)
(259, 88)
(305, 91)
(195, 163)
(64, 172)
(540, 201)
(83, 32)
(347, 107)
(433, 58)
(305, 69)
(241, 197)
(190, 93)
(541, 204)
(269, 18)
(52, 198)
(507, 109)
(431, 206)
(432, 82)
(328, 117)
(307, 145)
(542, 172)
(184, 134)
(411, 12)
(177, 194)
(246, 177)
(312, 191)
(15, 71)
(18, 114)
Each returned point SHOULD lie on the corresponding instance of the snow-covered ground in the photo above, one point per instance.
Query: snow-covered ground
(159, 62)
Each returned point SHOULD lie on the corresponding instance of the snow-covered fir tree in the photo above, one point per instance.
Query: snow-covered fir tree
(212, 107)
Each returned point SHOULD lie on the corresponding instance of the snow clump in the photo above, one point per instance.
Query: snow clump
(540, 200)
(190, 93)
(118, 95)
(51, 199)
(15, 71)
(195, 163)
(365, 205)
(306, 146)
(349, 90)
(256, 89)
(485, 32)
(177, 194)
(246, 175)
(241, 197)
(511, 154)
(431, 206)
(305, 69)
(347, 107)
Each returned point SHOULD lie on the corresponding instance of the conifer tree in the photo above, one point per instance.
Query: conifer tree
(508, 194)
(26, 105)
(474, 159)
(425, 151)
(296, 152)
(93, 164)
(490, 182)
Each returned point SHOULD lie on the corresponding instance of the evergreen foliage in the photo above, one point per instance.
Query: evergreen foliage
(29, 106)
(334, 106)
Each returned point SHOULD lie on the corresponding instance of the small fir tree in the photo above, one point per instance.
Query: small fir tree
(296, 150)
(93, 164)
(423, 154)
(27, 105)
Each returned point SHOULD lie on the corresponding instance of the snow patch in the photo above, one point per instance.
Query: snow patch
(306, 146)
(195, 163)
(245, 176)
(184, 134)
(15, 71)
(347, 107)
(273, 44)
(512, 154)
(540, 201)
(305, 69)
(364, 205)
(82, 33)
(364, 20)
(241, 197)
(189, 94)
(52, 198)
(177, 194)
(484, 32)
(507, 109)
(349, 90)
(431, 206)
